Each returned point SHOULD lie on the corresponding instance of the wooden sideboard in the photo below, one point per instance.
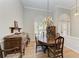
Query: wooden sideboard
(15, 40)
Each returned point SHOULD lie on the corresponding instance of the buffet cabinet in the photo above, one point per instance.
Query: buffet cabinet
(15, 40)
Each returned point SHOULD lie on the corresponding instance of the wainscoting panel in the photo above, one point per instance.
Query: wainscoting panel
(72, 43)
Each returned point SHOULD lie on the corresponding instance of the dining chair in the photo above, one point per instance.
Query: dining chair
(39, 44)
(57, 49)
(57, 35)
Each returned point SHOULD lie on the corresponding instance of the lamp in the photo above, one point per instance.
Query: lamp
(76, 14)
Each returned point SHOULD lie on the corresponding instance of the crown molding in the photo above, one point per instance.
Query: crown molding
(38, 9)
(62, 7)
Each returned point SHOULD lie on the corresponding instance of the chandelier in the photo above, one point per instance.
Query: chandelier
(48, 19)
(76, 13)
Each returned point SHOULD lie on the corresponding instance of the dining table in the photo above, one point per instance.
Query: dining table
(46, 42)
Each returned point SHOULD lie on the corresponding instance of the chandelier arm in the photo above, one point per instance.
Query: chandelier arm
(76, 6)
(47, 7)
(76, 11)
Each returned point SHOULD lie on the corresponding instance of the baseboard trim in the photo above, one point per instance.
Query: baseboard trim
(72, 49)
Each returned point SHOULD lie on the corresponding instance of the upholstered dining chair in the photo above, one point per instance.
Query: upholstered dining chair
(57, 49)
(57, 35)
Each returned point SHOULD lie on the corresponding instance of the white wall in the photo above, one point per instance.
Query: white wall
(30, 17)
(72, 41)
(10, 10)
(57, 17)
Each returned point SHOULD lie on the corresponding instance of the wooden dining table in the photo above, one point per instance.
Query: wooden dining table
(44, 41)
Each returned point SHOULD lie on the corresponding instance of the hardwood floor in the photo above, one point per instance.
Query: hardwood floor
(30, 52)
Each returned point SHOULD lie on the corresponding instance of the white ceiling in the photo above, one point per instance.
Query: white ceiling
(42, 4)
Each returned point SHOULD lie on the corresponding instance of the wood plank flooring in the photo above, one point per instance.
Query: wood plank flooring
(30, 52)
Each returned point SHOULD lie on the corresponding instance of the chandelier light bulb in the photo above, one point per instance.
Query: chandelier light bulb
(76, 14)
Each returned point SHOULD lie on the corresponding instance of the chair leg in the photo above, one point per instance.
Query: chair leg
(46, 48)
(43, 49)
(62, 54)
(36, 49)
(48, 53)
(21, 54)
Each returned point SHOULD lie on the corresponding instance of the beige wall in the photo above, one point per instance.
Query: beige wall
(10, 10)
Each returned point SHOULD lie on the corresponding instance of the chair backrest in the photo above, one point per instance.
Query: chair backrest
(57, 35)
(51, 33)
(59, 42)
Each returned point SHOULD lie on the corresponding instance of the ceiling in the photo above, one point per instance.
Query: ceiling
(42, 4)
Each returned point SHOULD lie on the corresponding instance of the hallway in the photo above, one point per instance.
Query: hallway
(30, 52)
